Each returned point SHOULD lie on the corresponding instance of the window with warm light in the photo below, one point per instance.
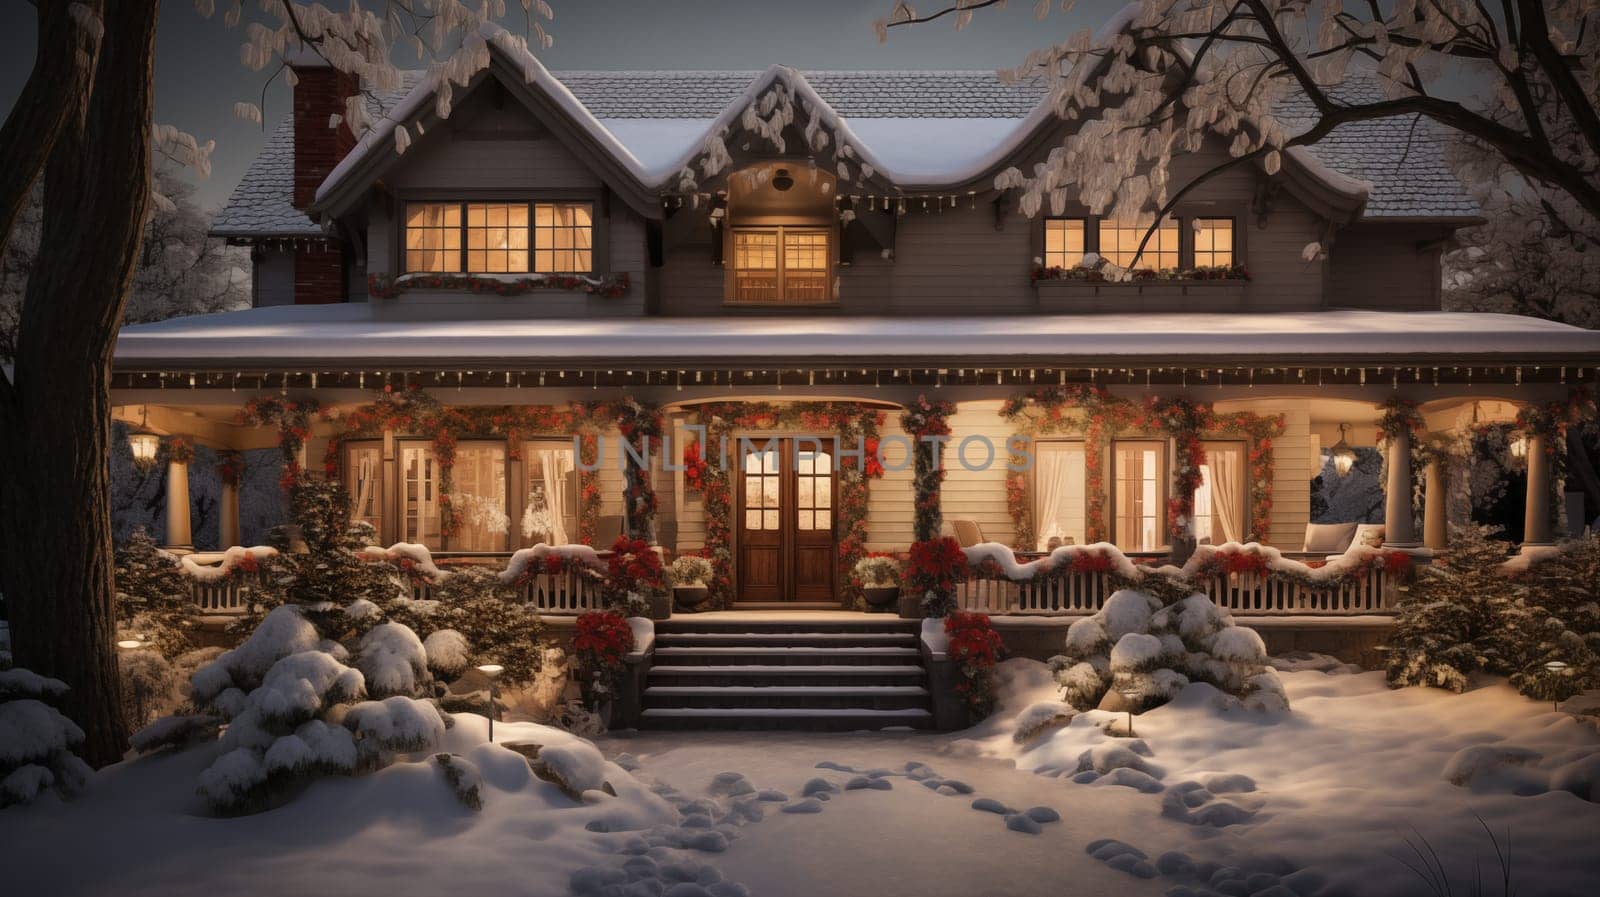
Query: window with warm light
(550, 500)
(1221, 506)
(1213, 242)
(1059, 471)
(478, 497)
(419, 495)
(1065, 242)
(363, 465)
(499, 237)
(1119, 243)
(1138, 494)
(782, 264)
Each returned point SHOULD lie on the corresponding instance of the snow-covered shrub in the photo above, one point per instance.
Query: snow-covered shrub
(448, 653)
(1559, 620)
(36, 740)
(393, 660)
(150, 686)
(1137, 647)
(290, 704)
(463, 777)
(474, 602)
(155, 604)
(1461, 615)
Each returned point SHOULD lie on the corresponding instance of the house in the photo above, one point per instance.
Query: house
(453, 313)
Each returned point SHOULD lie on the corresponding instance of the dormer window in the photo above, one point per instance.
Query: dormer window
(1213, 242)
(1119, 243)
(781, 235)
(499, 237)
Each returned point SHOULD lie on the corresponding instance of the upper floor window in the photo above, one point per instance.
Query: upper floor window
(1065, 242)
(499, 237)
(781, 264)
(1213, 242)
(1119, 243)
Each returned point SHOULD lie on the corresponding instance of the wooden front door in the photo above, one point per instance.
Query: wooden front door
(786, 519)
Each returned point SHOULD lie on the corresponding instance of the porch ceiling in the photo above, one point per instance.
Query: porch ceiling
(320, 336)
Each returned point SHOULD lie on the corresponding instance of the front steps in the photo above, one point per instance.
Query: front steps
(797, 674)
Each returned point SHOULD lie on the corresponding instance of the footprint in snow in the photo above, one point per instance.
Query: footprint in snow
(806, 805)
(819, 788)
(1122, 856)
(836, 767)
(731, 784)
(860, 783)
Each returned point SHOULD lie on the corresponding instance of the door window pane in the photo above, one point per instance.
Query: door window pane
(1119, 242)
(762, 486)
(419, 500)
(814, 489)
(1063, 242)
(1138, 495)
(479, 499)
(1058, 494)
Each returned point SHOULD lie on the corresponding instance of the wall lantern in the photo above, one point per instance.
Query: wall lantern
(143, 443)
(782, 181)
(1518, 444)
(1343, 456)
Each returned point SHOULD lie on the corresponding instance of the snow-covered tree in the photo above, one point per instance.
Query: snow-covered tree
(1180, 71)
(155, 604)
(1137, 647)
(36, 740)
(1559, 621)
(182, 270)
(1454, 619)
(81, 126)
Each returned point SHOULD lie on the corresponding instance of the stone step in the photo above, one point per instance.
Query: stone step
(834, 719)
(778, 655)
(781, 623)
(786, 639)
(728, 697)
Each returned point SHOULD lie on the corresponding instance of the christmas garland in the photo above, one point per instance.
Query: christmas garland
(179, 449)
(292, 417)
(1552, 420)
(640, 426)
(927, 423)
(1088, 274)
(413, 411)
(611, 286)
(1100, 417)
(855, 425)
(230, 467)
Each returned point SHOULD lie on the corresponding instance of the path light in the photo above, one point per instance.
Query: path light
(1556, 668)
(129, 644)
(1344, 457)
(493, 671)
(1131, 694)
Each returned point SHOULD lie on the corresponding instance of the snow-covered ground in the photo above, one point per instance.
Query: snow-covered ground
(1318, 802)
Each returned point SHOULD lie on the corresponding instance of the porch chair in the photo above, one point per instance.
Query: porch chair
(965, 531)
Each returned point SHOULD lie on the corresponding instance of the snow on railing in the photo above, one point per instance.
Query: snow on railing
(554, 579)
(220, 582)
(1247, 578)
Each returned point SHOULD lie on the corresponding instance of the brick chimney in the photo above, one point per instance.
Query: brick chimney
(319, 92)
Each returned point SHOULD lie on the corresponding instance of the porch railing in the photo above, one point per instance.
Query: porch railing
(1373, 591)
(226, 595)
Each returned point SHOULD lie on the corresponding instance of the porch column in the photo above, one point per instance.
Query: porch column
(1536, 531)
(1399, 528)
(178, 535)
(228, 521)
(1435, 532)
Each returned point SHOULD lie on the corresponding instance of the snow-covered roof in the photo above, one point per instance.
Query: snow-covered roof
(923, 129)
(263, 203)
(349, 334)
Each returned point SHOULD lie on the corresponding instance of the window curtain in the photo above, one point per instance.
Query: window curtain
(366, 475)
(1227, 516)
(556, 464)
(1049, 479)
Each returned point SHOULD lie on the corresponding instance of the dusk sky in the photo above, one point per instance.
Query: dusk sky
(199, 76)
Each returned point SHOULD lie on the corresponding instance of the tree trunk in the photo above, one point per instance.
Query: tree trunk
(55, 413)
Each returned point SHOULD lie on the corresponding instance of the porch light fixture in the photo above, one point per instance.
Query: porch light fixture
(782, 181)
(142, 442)
(1518, 445)
(1344, 457)
(493, 671)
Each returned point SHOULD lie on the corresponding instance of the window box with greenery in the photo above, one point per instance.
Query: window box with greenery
(1089, 257)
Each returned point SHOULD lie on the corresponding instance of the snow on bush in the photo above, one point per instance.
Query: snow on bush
(463, 777)
(36, 740)
(150, 686)
(393, 660)
(576, 766)
(448, 653)
(1148, 653)
(283, 632)
(395, 725)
